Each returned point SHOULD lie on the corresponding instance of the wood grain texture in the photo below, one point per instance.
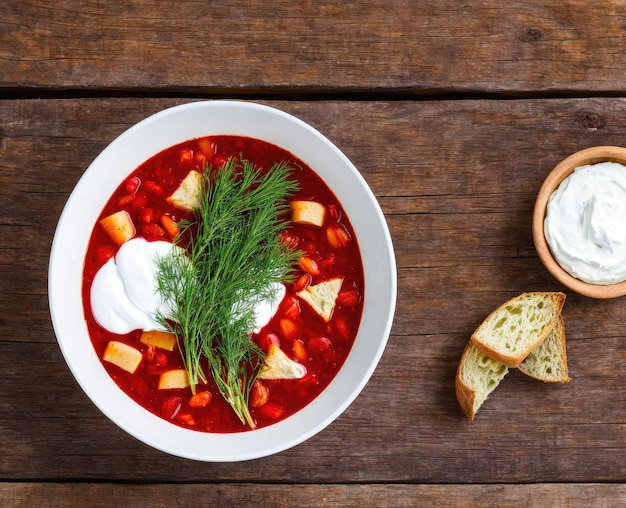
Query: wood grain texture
(55, 495)
(456, 180)
(236, 46)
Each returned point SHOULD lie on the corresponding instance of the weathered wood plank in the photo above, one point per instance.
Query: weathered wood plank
(310, 46)
(405, 427)
(457, 181)
(85, 495)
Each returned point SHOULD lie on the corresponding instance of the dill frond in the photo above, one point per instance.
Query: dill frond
(235, 259)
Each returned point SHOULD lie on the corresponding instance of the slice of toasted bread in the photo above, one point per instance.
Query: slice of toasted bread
(518, 326)
(477, 376)
(187, 194)
(323, 296)
(548, 361)
(279, 366)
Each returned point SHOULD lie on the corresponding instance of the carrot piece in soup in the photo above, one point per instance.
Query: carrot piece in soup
(337, 235)
(171, 228)
(200, 399)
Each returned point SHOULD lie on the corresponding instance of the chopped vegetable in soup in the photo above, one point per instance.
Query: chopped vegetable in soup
(223, 284)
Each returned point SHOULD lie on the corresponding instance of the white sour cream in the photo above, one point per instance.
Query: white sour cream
(264, 310)
(125, 296)
(585, 224)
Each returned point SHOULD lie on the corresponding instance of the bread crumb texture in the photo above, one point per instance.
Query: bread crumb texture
(515, 328)
(527, 332)
(548, 361)
(477, 376)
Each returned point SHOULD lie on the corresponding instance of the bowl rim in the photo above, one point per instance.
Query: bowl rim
(308, 144)
(593, 155)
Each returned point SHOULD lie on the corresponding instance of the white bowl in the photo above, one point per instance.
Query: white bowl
(108, 170)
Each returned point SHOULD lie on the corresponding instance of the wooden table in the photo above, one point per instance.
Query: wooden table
(454, 112)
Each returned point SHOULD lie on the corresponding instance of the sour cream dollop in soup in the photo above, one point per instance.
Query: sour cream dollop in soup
(125, 296)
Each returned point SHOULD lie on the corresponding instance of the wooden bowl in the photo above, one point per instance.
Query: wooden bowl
(557, 175)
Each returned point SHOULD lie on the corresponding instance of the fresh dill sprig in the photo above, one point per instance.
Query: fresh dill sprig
(235, 260)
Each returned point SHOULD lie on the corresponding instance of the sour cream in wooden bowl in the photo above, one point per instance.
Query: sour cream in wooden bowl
(579, 222)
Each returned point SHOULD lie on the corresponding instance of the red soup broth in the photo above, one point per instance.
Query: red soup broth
(322, 347)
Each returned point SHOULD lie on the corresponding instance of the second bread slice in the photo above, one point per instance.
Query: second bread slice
(517, 326)
(548, 361)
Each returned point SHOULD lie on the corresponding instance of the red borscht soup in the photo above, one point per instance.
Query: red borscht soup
(313, 325)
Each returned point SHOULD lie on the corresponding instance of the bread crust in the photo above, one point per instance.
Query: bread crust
(464, 394)
(557, 299)
(475, 366)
